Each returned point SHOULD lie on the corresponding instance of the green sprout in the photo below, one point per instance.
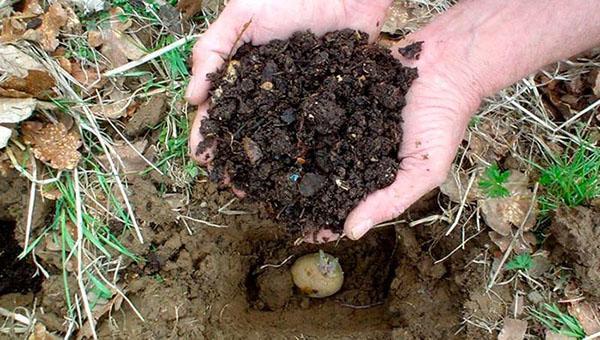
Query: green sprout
(493, 180)
(570, 180)
(559, 322)
(520, 262)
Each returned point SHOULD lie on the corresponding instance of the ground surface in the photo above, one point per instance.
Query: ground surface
(317, 124)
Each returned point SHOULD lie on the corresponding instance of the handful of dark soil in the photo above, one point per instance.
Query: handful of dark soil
(309, 125)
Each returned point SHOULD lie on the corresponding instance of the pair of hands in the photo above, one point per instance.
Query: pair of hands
(438, 107)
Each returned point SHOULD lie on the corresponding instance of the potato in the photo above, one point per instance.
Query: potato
(318, 275)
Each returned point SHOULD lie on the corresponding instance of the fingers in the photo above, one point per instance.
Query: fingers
(205, 157)
(212, 49)
(416, 178)
(431, 136)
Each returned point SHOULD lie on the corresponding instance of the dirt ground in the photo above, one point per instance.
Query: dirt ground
(231, 282)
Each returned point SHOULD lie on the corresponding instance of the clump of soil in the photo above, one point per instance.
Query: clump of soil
(576, 230)
(309, 125)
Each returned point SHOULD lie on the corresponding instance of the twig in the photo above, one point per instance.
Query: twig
(201, 221)
(276, 265)
(151, 56)
(30, 208)
(463, 202)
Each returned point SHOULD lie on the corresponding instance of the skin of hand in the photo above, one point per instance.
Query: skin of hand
(471, 51)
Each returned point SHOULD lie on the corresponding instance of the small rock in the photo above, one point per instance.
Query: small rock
(288, 116)
(252, 150)
(267, 86)
(310, 184)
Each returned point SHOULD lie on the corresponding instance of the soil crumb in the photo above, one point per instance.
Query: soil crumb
(576, 230)
(412, 51)
(309, 125)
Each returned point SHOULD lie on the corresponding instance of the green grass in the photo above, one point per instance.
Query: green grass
(520, 262)
(492, 182)
(570, 180)
(558, 321)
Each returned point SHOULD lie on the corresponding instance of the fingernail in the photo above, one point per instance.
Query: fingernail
(361, 229)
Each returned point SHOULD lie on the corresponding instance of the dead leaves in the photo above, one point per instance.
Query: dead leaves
(13, 110)
(513, 329)
(25, 77)
(44, 29)
(114, 43)
(53, 144)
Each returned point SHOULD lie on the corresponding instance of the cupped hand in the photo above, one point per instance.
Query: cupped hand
(438, 108)
(435, 117)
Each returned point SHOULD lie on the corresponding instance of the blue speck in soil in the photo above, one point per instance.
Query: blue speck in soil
(294, 177)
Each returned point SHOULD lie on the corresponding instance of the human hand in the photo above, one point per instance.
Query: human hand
(259, 22)
(471, 51)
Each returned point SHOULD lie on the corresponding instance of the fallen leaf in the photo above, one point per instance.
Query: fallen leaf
(15, 110)
(52, 21)
(553, 336)
(147, 116)
(587, 315)
(455, 186)
(89, 6)
(127, 159)
(97, 312)
(5, 134)
(116, 45)
(31, 7)
(522, 245)
(25, 77)
(502, 214)
(513, 329)
(114, 110)
(40, 333)
(53, 143)
(189, 8)
(397, 17)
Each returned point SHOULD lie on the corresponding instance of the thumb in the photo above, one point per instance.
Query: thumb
(212, 49)
(431, 137)
(415, 178)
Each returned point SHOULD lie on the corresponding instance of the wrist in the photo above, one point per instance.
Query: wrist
(494, 43)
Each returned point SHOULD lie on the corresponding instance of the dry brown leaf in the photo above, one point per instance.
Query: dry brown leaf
(553, 336)
(455, 186)
(130, 162)
(397, 17)
(86, 76)
(587, 315)
(114, 110)
(53, 143)
(116, 45)
(40, 333)
(45, 29)
(189, 8)
(25, 77)
(99, 310)
(513, 329)
(502, 214)
(32, 7)
(15, 110)
(52, 21)
(522, 245)
(5, 134)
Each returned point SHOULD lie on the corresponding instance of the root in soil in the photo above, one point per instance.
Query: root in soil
(309, 125)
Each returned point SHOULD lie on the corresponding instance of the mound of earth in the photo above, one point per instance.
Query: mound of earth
(309, 125)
